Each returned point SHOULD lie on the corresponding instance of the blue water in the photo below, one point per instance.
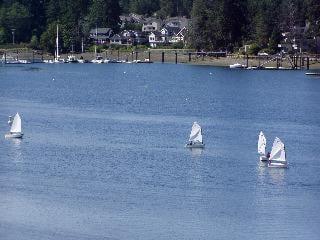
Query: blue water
(103, 154)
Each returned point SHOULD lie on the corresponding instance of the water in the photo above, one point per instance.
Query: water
(103, 155)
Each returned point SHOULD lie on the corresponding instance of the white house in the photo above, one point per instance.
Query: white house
(179, 37)
(155, 38)
(151, 25)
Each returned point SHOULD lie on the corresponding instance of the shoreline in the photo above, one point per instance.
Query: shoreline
(172, 56)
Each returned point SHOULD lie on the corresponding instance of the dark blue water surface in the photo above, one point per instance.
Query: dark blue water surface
(103, 155)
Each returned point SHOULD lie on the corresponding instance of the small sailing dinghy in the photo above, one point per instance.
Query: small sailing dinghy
(195, 139)
(278, 155)
(15, 130)
(262, 142)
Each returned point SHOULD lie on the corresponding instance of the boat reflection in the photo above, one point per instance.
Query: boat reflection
(16, 152)
(272, 175)
(196, 152)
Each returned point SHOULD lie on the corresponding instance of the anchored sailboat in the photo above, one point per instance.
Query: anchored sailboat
(195, 139)
(56, 54)
(278, 155)
(262, 142)
(15, 130)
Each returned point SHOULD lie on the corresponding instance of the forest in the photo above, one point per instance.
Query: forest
(215, 24)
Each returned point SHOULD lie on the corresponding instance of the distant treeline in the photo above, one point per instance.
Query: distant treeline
(215, 24)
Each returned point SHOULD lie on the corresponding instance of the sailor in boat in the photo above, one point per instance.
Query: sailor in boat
(195, 139)
(10, 121)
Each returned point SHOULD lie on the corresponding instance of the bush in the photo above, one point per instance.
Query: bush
(254, 49)
(34, 42)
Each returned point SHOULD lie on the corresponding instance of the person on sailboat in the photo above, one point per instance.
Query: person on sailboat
(268, 155)
(10, 121)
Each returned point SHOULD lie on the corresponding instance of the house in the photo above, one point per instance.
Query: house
(100, 35)
(140, 38)
(295, 40)
(169, 32)
(155, 38)
(118, 39)
(180, 36)
(132, 18)
(180, 22)
(152, 25)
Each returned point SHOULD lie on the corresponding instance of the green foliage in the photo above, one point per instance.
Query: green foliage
(215, 25)
(254, 49)
(104, 13)
(132, 26)
(48, 38)
(178, 45)
(144, 6)
(3, 35)
(34, 42)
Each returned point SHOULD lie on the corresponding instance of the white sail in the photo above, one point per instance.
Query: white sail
(278, 151)
(262, 142)
(196, 133)
(16, 124)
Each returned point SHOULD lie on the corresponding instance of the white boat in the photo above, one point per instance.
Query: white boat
(15, 130)
(278, 155)
(195, 139)
(72, 59)
(237, 65)
(262, 142)
(98, 60)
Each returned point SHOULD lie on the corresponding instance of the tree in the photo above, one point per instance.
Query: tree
(167, 8)
(198, 32)
(105, 13)
(145, 7)
(48, 38)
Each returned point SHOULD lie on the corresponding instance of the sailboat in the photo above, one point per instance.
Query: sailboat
(195, 139)
(56, 53)
(97, 59)
(262, 142)
(278, 155)
(15, 130)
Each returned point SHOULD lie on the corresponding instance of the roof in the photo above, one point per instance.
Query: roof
(172, 30)
(156, 34)
(106, 31)
(180, 22)
(151, 20)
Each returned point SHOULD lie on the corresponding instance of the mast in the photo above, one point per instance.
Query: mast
(57, 43)
(82, 47)
(95, 46)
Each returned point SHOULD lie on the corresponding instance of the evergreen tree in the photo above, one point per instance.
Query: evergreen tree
(198, 31)
(145, 7)
(105, 13)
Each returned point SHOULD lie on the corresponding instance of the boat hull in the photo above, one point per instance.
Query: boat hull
(277, 165)
(263, 158)
(195, 145)
(13, 135)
